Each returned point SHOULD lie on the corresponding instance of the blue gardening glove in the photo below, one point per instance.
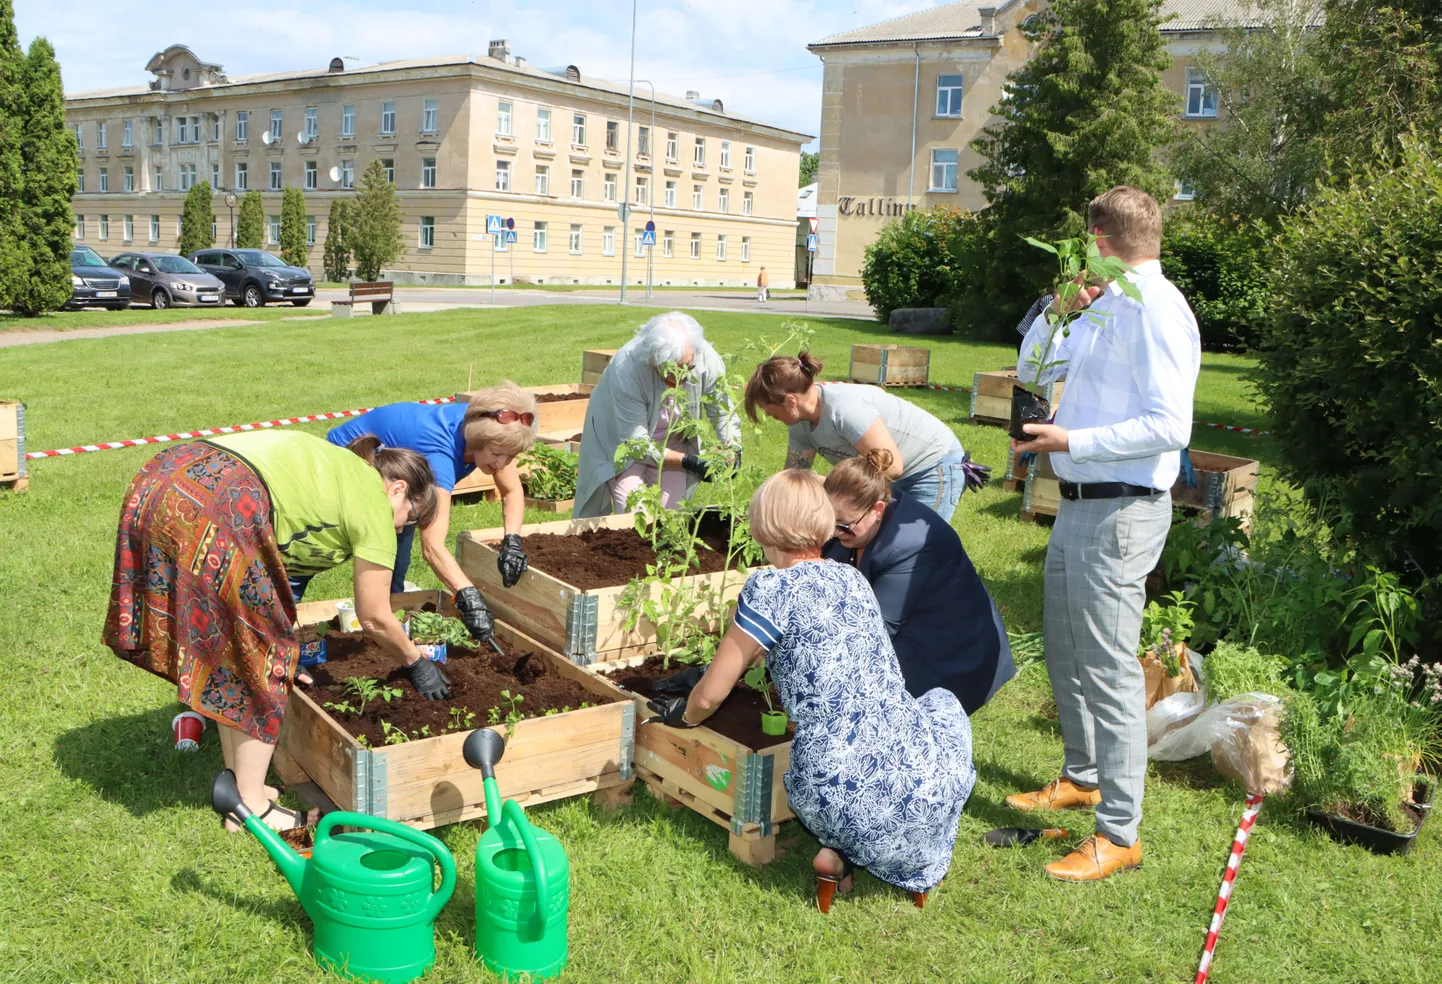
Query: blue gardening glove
(1189, 473)
(976, 474)
(1026, 458)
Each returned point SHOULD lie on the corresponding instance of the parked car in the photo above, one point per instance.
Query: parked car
(252, 276)
(167, 280)
(95, 284)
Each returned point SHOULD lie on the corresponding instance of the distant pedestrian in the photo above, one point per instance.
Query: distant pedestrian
(762, 282)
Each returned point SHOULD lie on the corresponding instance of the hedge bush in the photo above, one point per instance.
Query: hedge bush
(1351, 361)
(910, 263)
(1223, 269)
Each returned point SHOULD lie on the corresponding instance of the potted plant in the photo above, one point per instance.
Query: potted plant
(1163, 650)
(434, 633)
(773, 722)
(1079, 265)
(550, 478)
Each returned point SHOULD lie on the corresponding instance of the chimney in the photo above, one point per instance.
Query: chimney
(337, 65)
(692, 94)
(988, 21)
(500, 50)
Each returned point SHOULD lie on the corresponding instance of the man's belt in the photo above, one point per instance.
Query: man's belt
(1073, 492)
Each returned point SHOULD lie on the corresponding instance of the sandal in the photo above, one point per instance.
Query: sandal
(827, 885)
(299, 819)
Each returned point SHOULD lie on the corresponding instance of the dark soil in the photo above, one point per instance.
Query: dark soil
(477, 679)
(1027, 408)
(1361, 814)
(738, 717)
(561, 397)
(610, 558)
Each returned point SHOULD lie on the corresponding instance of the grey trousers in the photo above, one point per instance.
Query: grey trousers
(1097, 562)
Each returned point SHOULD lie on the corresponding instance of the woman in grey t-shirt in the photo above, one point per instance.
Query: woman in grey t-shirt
(843, 420)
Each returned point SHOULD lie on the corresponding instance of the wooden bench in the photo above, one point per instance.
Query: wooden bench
(378, 294)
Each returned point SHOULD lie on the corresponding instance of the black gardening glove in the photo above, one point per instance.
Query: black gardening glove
(671, 710)
(696, 466)
(735, 460)
(478, 618)
(679, 684)
(512, 562)
(429, 681)
(976, 474)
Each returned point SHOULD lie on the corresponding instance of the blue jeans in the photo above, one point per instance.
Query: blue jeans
(405, 539)
(940, 486)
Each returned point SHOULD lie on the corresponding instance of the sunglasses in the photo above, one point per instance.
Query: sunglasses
(510, 417)
(849, 529)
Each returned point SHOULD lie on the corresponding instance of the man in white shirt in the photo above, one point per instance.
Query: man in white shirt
(1131, 370)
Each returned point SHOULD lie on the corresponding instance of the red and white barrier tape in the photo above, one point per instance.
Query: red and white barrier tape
(1229, 881)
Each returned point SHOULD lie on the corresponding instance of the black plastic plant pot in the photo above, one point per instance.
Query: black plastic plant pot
(1027, 408)
(1374, 839)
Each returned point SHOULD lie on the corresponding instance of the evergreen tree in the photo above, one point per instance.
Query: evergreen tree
(48, 149)
(374, 232)
(293, 248)
(250, 225)
(14, 257)
(197, 220)
(1088, 111)
(337, 253)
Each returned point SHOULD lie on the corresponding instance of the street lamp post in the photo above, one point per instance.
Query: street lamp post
(651, 151)
(230, 201)
(625, 209)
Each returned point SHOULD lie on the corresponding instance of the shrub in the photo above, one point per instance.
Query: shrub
(1231, 670)
(373, 230)
(1350, 362)
(337, 253)
(911, 262)
(293, 247)
(197, 220)
(1222, 268)
(250, 226)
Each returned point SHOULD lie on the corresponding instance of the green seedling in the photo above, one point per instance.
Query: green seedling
(758, 679)
(365, 690)
(461, 719)
(433, 628)
(394, 736)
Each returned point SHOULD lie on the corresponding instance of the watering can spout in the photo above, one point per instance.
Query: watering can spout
(482, 750)
(226, 800)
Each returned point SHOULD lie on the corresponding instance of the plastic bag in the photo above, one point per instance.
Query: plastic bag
(1250, 750)
(1171, 713)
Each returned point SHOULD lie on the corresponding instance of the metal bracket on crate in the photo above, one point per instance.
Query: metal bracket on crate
(22, 469)
(975, 391)
(581, 621)
(628, 739)
(368, 773)
(753, 794)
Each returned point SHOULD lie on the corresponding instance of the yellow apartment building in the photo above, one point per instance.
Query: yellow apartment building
(903, 100)
(462, 137)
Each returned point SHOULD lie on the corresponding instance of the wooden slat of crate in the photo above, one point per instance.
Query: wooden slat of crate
(991, 395)
(1220, 478)
(551, 505)
(890, 365)
(426, 782)
(1014, 480)
(1041, 493)
(593, 363)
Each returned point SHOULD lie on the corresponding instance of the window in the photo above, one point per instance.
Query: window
(543, 125)
(643, 140)
(130, 178)
(389, 165)
(79, 227)
(613, 136)
(273, 230)
(105, 227)
(242, 176)
(948, 95)
(127, 134)
(388, 117)
(79, 136)
(698, 154)
(503, 119)
(726, 154)
(1185, 192)
(242, 125)
(943, 170)
(428, 172)
(312, 122)
(639, 249)
(608, 241)
(310, 230)
(1201, 96)
(347, 173)
(745, 249)
(671, 146)
(578, 130)
(155, 228)
(157, 131)
(721, 247)
(277, 121)
(187, 177)
(214, 128)
(543, 179)
(538, 238)
(503, 175)
(428, 231)
(430, 116)
(79, 179)
(100, 136)
(214, 176)
(129, 228)
(159, 179)
(310, 175)
(576, 238)
(698, 197)
(275, 175)
(668, 242)
(104, 179)
(723, 200)
(578, 183)
(643, 190)
(750, 161)
(670, 194)
(182, 129)
(748, 203)
(610, 187)
(347, 120)
(695, 245)
(499, 244)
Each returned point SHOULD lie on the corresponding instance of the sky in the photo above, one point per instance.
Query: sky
(751, 54)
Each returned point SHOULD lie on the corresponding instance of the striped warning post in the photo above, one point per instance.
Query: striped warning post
(1229, 881)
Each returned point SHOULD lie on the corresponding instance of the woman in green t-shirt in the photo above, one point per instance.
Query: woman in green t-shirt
(209, 532)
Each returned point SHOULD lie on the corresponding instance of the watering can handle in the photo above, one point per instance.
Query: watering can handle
(512, 811)
(420, 839)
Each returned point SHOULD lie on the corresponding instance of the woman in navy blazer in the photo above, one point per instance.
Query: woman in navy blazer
(944, 626)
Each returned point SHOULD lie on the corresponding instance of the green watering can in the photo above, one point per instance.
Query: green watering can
(523, 880)
(368, 893)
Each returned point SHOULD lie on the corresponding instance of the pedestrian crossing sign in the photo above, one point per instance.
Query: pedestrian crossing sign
(648, 238)
(510, 235)
(493, 225)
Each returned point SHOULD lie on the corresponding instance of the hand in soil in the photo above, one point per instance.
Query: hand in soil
(672, 711)
(429, 681)
(679, 684)
(512, 561)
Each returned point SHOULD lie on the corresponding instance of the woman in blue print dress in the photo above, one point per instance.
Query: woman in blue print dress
(879, 777)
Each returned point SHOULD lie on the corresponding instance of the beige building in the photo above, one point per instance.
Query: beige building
(463, 138)
(903, 100)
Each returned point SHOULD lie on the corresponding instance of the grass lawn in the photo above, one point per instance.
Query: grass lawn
(116, 869)
(97, 318)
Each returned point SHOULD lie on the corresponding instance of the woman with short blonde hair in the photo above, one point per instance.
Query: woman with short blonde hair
(818, 627)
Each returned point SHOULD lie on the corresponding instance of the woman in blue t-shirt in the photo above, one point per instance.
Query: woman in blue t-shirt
(488, 433)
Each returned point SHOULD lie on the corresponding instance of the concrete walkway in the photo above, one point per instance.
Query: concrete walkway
(12, 339)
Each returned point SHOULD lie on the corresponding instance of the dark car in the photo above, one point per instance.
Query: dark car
(167, 280)
(252, 276)
(94, 284)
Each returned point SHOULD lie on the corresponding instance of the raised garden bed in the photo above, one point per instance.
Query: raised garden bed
(889, 365)
(12, 445)
(593, 363)
(424, 781)
(569, 598)
(726, 770)
(561, 409)
(991, 396)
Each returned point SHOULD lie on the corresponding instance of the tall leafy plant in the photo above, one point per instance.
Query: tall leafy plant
(337, 252)
(293, 248)
(14, 253)
(374, 234)
(250, 226)
(48, 149)
(197, 221)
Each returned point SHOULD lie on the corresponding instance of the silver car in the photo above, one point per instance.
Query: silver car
(167, 280)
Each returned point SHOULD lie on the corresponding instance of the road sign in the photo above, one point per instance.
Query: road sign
(493, 225)
(510, 223)
(624, 211)
(651, 227)
(815, 224)
(510, 235)
(810, 244)
(648, 238)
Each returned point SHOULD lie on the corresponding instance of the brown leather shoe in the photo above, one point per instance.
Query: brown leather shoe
(1094, 859)
(1060, 794)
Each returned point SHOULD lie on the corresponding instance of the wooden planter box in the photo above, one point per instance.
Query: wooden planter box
(13, 472)
(991, 396)
(551, 505)
(593, 363)
(890, 365)
(1015, 478)
(425, 782)
(723, 780)
(560, 419)
(584, 625)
